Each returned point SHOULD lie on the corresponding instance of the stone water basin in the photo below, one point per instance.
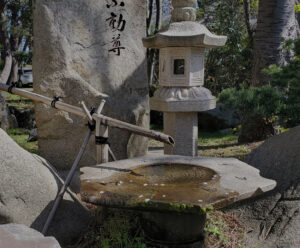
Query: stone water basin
(172, 192)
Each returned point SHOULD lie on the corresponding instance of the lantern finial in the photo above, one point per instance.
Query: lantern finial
(184, 10)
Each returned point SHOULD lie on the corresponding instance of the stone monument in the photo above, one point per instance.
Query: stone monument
(181, 76)
(82, 48)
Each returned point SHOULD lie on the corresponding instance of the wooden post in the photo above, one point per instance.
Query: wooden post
(101, 131)
(102, 149)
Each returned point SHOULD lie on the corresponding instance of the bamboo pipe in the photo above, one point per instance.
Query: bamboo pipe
(46, 100)
(135, 129)
(80, 112)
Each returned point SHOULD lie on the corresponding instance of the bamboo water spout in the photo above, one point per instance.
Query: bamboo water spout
(105, 120)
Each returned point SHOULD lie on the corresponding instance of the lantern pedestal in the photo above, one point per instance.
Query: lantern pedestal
(184, 129)
(180, 107)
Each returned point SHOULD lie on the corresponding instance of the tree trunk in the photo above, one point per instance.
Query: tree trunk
(158, 15)
(15, 43)
(13, 78)
(27, 44)
(276, 23)
(149, 16)
(247, 19)
(6, 55)
(6, 70)
(153, 55)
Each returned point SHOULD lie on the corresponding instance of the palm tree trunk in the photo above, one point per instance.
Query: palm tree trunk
(276, 23)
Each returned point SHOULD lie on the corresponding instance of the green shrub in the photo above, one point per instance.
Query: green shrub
(286, 79)
(264, 102)
(280, 100)
(258, 109)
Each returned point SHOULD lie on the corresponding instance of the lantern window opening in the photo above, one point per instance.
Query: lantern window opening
(179, 67)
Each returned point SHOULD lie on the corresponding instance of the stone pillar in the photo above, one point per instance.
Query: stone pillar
(82, 48)
(183, 127)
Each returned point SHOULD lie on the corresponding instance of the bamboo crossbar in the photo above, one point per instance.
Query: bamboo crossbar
(80, 112)
(135, 129)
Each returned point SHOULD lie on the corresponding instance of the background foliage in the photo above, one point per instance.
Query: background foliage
(230, 65)
(280, 100)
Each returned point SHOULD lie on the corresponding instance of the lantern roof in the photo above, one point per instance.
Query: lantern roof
(183, 31)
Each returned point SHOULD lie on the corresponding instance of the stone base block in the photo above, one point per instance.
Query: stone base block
(183, 127)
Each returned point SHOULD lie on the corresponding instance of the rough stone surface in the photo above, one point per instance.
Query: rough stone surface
(4, 123)
(21, 236)
(72, 60)
(28, 187)
(185, 34)
(275, 218)
(183, 128)
(218, 118)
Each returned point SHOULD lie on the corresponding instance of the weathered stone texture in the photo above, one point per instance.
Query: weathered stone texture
(17, 236)
(71, 59)
(274, 218)
(28, 187)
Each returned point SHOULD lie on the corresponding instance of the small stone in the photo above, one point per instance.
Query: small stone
(101, 192)
(200, 200)
(141, 196)
(205, 183)
(146, 200)
(162, 184)
(33, 136)
(164, 196)
(145, 184)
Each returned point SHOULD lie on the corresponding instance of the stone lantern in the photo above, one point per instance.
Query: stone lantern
(181, 76)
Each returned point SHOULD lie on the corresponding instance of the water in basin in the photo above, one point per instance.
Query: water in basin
(158, 183)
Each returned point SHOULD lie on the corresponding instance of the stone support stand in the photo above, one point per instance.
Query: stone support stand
(183, 127)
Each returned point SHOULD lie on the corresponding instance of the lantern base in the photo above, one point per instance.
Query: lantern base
(182, 99)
